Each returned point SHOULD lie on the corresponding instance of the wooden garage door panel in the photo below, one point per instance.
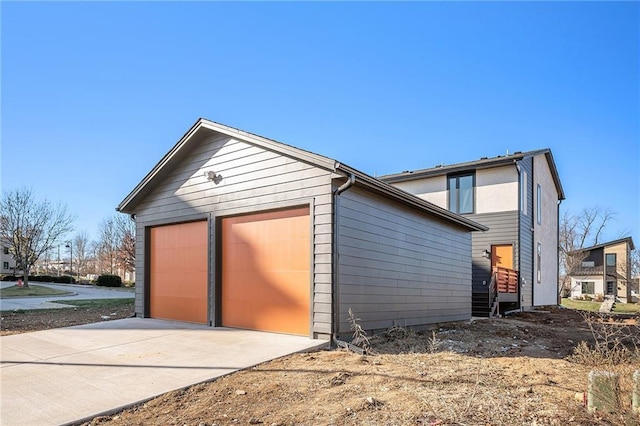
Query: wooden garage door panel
(265, 271)
(178, 272)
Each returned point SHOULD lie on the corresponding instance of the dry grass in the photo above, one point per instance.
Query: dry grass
(494, 372)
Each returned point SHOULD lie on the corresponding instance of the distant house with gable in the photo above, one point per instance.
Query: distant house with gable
(603, 269)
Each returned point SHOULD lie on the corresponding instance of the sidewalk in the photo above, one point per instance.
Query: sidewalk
(81, 292)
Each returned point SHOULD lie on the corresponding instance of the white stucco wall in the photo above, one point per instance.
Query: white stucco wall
(8, 259)
(496, 190)
(432, 189)
(576, 285)
(545, 291)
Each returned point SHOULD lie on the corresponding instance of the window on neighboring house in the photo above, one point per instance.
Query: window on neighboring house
(610, 287)
(5, 265)
(461, 193)
(539, 204)
(588, 263)
(6, 250)
(539, 269)
(610, 259)
(523, 192)
(588, 287)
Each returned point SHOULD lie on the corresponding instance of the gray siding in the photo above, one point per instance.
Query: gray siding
(254, 179)
(398, 267)
(526, 238)
(503, 229)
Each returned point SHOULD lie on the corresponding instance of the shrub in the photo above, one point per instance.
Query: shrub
(613, 344)
(109, 281)
(9, 278)
(64, 279)
(599, 297)
(45, 278)
(129, 284)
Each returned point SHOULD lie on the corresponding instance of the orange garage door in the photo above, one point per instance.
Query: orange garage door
(178, 273)
(265, 271)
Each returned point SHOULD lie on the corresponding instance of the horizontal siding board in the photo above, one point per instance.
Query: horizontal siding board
(254, 179)
(503, 229)
(322, 298)
(396, 265)
(525, 258)
(256, 175)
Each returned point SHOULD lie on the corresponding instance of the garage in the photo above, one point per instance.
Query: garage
(266, 282)
(241, 231)
(178, 272)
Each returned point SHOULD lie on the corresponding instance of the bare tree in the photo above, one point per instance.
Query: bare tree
(116, 247)
(108, 245)
(577, 232)
(634, 277)
(81, 251)
(635, 263)
(30, 227)
(126, 229)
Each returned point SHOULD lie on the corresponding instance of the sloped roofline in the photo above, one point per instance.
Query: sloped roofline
(204, 127)
(607, 244)
(483, 163)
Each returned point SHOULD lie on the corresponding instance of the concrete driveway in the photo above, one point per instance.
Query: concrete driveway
(65, 375)
(79, 292)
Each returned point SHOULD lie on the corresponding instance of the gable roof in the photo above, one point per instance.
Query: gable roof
(204, 128)
(628, 240)
(483, 163)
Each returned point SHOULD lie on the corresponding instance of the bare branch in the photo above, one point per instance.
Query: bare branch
(30, 228)
(116, 248)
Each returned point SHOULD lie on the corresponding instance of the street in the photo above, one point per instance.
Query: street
(81, 292)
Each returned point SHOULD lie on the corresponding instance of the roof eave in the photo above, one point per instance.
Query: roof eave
(443, 170)
(628, 240)
(480, 165)
(410, 199)
(555, 175)
(127, 205)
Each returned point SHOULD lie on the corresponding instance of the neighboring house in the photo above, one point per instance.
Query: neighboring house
(515, 263)
(237, 230)
(8, 263)
(603, 269)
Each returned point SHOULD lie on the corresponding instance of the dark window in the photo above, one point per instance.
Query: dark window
(539, 204)
(588, 287)
(5, 265)
(610, 287)
(611, 259)
(539, 272)
(6, 250)
(523, 193)
(461, 193)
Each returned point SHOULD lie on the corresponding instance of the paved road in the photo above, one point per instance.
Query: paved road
(80, 292)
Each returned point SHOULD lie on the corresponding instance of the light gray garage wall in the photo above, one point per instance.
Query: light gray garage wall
(253, 179)
(399, 267)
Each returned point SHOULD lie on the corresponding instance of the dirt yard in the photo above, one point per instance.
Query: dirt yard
(511, 371)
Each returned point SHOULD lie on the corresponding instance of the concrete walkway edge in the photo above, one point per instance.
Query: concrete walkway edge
(78, 373)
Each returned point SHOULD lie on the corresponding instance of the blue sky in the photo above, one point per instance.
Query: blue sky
(94, 94)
